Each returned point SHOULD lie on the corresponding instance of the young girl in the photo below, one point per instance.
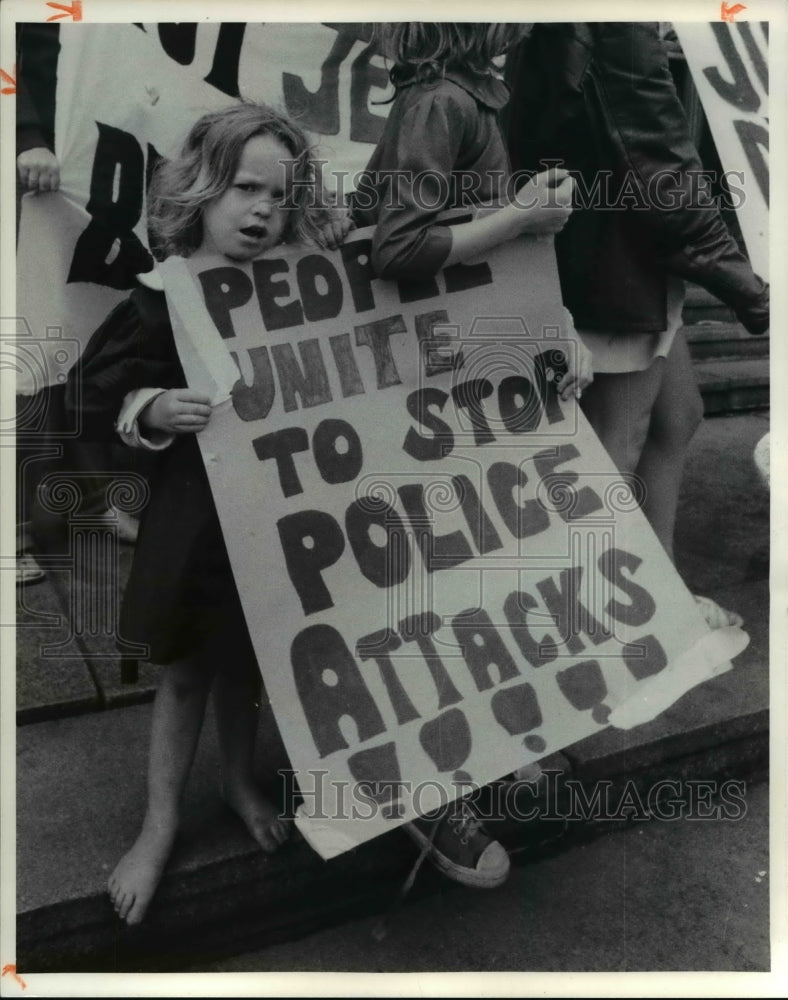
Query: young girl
(442, 148)
(242, 183)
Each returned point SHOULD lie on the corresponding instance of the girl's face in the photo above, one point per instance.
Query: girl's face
(249, 217)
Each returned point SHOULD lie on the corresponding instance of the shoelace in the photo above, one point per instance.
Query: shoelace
(381, 928)
(464, 822)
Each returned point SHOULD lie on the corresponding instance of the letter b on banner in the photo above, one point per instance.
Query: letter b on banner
(109, 252)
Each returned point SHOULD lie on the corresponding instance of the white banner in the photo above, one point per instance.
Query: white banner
(443, 575)
(730, 68)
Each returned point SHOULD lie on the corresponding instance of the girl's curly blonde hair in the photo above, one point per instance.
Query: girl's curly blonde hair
(206, 165)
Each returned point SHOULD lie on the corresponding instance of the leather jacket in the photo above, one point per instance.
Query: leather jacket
(600, 99)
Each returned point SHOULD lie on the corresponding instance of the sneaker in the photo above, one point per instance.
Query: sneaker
(457, 844)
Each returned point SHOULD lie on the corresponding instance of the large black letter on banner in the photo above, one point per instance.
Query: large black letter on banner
(330, 686)
(179, 41)
(739, 91)
(113, 219)
(319, 111)
(754, 138)
(364, 126)
(225, 289)
(311, 541)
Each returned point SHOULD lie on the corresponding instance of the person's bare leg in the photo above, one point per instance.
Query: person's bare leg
(618, 407)
(178, 712)
(236, 698)
(675, 417)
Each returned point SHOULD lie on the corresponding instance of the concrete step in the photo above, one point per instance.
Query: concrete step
(700, 304)
(712, 330)
(64, 669)
(81, 794)
(81, 778)
(734, 384)
(721, 339)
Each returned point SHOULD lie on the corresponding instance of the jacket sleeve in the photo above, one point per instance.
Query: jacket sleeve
(649, 130)
(132, 349)
(37, 50)
(408, 242)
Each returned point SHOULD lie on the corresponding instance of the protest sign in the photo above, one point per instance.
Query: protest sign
(730, 68)
(443, 576)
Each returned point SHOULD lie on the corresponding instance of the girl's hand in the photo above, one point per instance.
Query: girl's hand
(580, 369)
(336, 226)
(39, 169)
(579, 374)
(544, 203)
(177, 411)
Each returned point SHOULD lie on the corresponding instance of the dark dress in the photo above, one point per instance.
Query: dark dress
(181, 587)
(441, 148)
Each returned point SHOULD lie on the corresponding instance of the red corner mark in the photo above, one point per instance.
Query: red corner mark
(729, 13)
(10, 89)
(74, 9)
(10, 970)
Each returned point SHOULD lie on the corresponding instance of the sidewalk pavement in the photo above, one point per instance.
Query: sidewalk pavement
(81, 759)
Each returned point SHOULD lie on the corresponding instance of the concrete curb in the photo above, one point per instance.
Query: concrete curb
(225, 895)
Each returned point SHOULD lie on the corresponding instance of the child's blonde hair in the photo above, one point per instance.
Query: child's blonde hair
(425, 49)
(208, 161)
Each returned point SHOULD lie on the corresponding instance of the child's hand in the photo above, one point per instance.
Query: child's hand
(177, 411)
(580, 370)
(544, 203)
(336, 226)
(39, 169)
(580, 373)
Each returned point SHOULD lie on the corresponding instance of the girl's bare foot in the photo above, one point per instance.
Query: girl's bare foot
(138, 873)
(261, 816)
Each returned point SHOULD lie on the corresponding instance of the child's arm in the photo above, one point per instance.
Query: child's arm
(151, 418)
(124, 354)
(409, 183)
(542, 205)
(128, 423)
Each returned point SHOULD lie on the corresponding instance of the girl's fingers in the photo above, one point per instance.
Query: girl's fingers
(574, 382)
(188, 422)
(193, 409)
(568, 389)
(193, 396)
(332, 235)
(335, 231)
(554, 176)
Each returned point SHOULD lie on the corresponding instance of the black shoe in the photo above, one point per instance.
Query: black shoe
(458, 845)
